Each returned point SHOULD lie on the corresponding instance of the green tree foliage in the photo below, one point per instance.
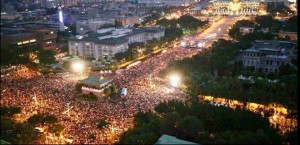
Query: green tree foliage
(46, 56)
(194, 122)
(113, 89)
(35, 119)
(50, 119)
(281, 8)
(190, 23)
(78, 87)
(291, 24)
(23, 133)
(234, 32)
(101, 123)
(107, 91)
(56, 128)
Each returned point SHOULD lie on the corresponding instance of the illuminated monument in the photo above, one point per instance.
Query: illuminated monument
(235, 7)
(61, 19)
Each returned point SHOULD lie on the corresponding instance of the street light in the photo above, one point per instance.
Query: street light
(174, 80)
(78, 66)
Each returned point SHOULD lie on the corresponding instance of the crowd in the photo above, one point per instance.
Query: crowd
(54, 91)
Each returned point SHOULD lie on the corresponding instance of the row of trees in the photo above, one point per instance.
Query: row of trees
(260, 22)
(200, 123)
(173, 29)
(26, 55)
(186, 22)
(215, 71)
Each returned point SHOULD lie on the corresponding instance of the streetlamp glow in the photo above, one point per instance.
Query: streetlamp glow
(174, 80)
(78, 67)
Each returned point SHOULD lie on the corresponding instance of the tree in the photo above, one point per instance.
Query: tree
(113, 89)
(136, 25)
(78, 87)
(35, 119)
(101, 123)
(4, 110)
(107, 91)
(23, 133)
(57, 128)
(50, 119)
(14, 110)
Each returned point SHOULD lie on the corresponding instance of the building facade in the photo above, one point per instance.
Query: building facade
(128, 20)
(46, 38)
(105, 45)
(84, 26)
(169, 2)
(235, 7)
(268, 56)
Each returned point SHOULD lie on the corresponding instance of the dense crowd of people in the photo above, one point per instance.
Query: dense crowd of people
(50, 94)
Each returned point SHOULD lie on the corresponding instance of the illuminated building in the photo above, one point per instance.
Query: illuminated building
(235, 7)
(61, 19)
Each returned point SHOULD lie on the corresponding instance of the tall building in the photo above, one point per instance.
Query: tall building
(61, 19)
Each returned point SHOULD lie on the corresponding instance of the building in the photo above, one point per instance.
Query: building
(291, 35)
(46, 38)
(11, 37)
(12, 15)
(167, 139)
(169, 2)
(17, 38)
(246, 30)
(95, 84)
(49, 3)
(268, 56)
(109, 41)
(104, 49)
(84, 26)
(235, 7)
(128, 20)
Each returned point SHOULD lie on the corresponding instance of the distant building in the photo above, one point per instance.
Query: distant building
(84, 26)
(167, 139)
(12, 37)
(170, 2)
(246, 30)
(268, 56)
(128, 20)
(18, 39)
(291, 35)
(10, 15)
(46, 38)
(109, 41)
(49, 3)
(235, 7)
(95, 84)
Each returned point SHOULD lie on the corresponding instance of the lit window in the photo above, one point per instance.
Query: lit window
(81, 28)
(25, 42)
(32, 40)
(19, 43)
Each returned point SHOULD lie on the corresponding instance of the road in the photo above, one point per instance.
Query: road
(219, 29)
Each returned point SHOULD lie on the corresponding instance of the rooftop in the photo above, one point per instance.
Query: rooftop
(95, 80)
(167, 139)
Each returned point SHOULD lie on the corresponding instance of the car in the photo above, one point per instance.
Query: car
(39, 129)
